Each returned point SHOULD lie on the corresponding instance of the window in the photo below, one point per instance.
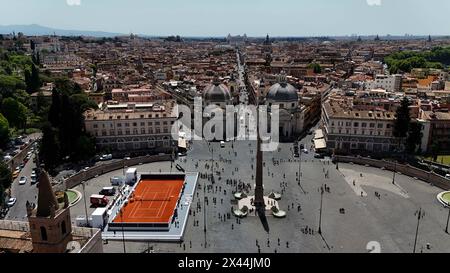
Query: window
(95, 126)
(119, 124)
(372, 125)
(364, 125)
(143, 131)
(134, 124)
(356, 124)
(43, 234)
(380, 125)
(388, 126)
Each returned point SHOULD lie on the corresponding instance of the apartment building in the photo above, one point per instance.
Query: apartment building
(350, 131)
(133, 127)
(392, 83)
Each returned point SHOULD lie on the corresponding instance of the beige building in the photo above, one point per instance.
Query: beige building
(346, 130)
(133, 127)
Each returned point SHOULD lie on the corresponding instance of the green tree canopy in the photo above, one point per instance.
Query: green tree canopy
(15, 112)
(402, 119)
(4, 131)
(316, 67)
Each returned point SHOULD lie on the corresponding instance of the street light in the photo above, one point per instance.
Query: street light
(420, 215)
(85, 203)
(320, 214)
(123, 232)
(395, 170)
(448, 218)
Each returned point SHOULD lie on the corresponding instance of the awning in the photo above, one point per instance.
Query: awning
(318, 134)
(320, 144)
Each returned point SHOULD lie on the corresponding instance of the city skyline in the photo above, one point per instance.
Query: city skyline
(205, 19)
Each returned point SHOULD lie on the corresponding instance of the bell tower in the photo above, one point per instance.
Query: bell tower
(50, 223)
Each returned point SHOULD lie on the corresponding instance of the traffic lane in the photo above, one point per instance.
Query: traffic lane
(23, 193)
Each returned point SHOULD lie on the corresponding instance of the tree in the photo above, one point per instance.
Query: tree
(54, 114)
(85, 148)
(15, 112)
(316, 68)
(4, 131)
(402, 121)
(414, 137)
(435, 150)
(32, 80)
(49, 151)
(5, 181)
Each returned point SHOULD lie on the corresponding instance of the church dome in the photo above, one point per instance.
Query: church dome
(216, 92)
(283, 92)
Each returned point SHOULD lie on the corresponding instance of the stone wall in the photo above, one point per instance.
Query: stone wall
(430, 177)
(92, 172)
(17, 159)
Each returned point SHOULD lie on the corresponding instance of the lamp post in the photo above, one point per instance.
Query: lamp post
(123, 231)
(420, 215)
(395, 170)
(85, 203)
(204, 212)
(300, 172)
(320, 214)
(448, 218)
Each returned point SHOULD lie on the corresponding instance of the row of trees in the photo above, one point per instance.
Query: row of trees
(405, 61)
(19, 77)
(64, 137)
(408, 132)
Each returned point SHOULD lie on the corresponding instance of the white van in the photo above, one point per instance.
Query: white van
(117, 181)
(222, 144)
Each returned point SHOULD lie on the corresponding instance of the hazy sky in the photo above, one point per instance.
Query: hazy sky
(220, 17)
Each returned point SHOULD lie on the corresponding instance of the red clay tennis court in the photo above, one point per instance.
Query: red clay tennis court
(153, 201)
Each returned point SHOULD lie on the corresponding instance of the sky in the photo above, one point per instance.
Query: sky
(220, 17)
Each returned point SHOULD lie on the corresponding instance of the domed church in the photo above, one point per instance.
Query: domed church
(286, 97)
(218, 94)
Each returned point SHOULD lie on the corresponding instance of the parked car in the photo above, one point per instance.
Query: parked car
(99, 200)
(117, 180)
(22, 180)
(106, 157)
(108, 191)
(15, 174)
(11, 202)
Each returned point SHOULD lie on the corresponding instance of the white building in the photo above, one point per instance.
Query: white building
(391, 83)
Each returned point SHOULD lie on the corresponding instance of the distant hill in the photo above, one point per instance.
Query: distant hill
(38, 30)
